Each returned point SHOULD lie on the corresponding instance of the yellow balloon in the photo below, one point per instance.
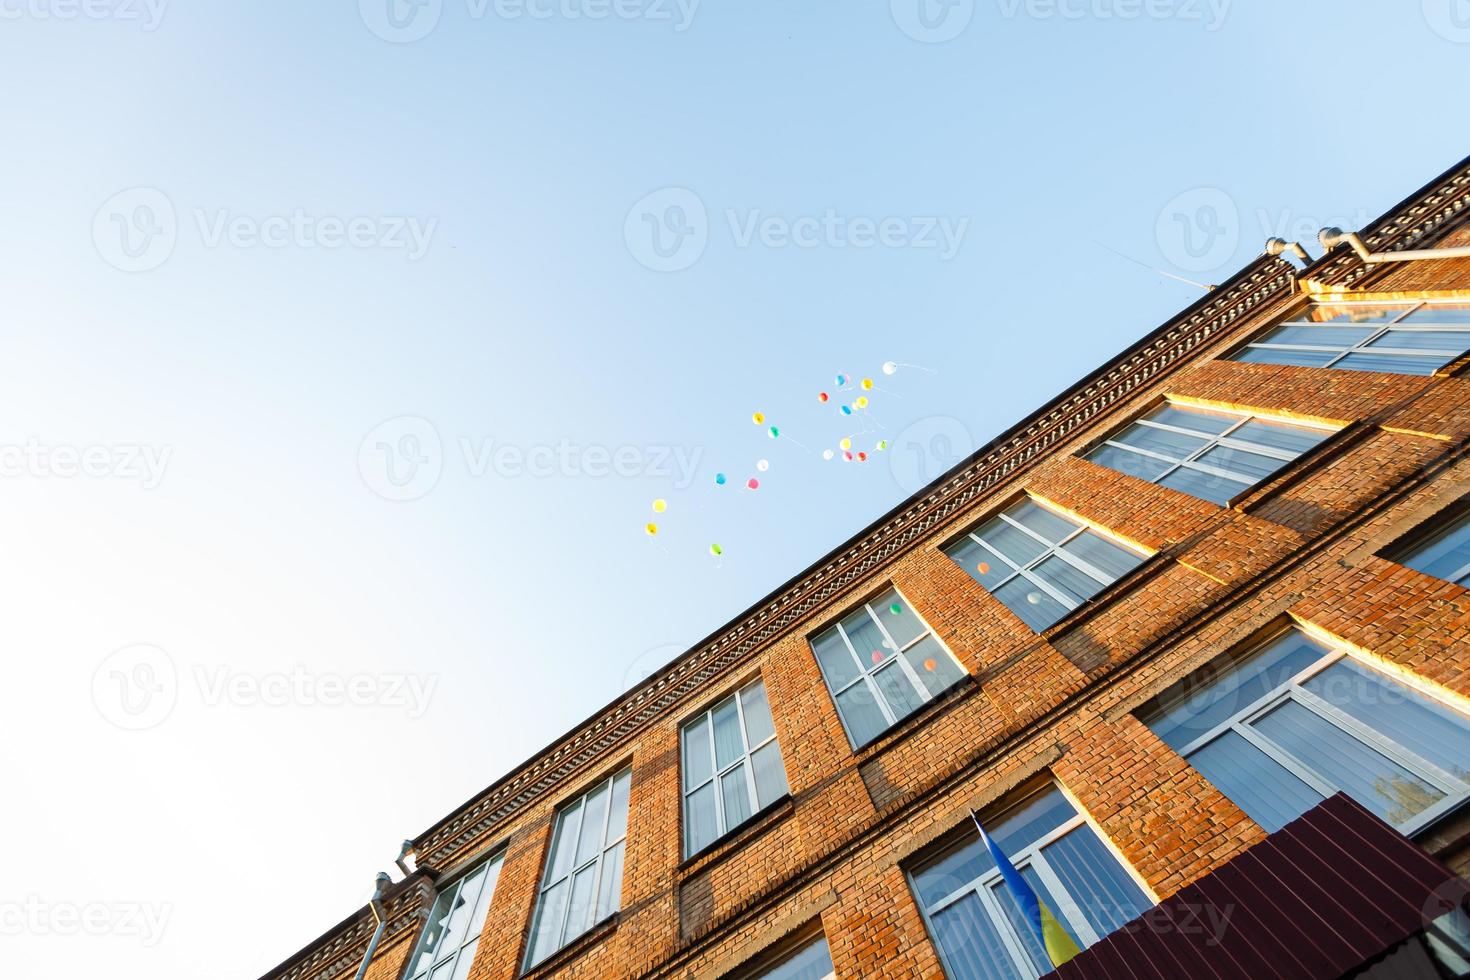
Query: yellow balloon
(758, 418)
(660, 505)
(867, 384)
(862, 401)
(651, 528)
(846, 443)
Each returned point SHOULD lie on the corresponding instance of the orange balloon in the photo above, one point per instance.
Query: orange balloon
(929, 665)
(983, 568)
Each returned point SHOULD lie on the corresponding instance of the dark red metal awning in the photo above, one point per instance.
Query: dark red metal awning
(1319, 898)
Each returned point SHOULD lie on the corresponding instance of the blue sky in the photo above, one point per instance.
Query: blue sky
(259, 257)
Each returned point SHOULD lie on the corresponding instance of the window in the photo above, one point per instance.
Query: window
(584, 873)
(732, 766)
(456, 919)
(1446, 554)
(1208, 454)
(811, 961)
(881, 664)
(1040, 564)
(972, 915)
(1401, 338)
(1295, 721)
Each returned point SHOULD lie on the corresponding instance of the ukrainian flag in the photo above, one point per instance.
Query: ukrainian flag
(1049, 932)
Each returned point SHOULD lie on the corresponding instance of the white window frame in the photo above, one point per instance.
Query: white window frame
(1456, 790)
(445, 960)
(1031, 856)
(1362, 346)
(580, 804)
(1057, 550)
(1223, 439)
(1457, 524)
(867, 669)
(722, 826)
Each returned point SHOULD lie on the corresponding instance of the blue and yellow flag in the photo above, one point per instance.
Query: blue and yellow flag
(1059, 946)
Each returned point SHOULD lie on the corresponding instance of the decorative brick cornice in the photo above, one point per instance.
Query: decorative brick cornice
(341, 952)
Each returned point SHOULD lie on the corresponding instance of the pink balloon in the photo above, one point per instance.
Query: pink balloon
(752, 484)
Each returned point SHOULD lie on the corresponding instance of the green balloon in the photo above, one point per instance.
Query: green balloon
(715, 549)
(896, 609)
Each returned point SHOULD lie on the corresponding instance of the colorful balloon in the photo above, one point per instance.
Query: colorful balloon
(983, 568)
(1034, 598)
(882, 444)
(650, 529)
(847, 455)
(716, 550)
(862, 401)
(896, 609)
(720, 479)
(758, 418)
(841, 380)
(930, 664)
(822, 396)
(862, 457)
(877, 656)
(752, 484)
(774, 432)
(763, 464)
(846, 409)
(826, 454)
(890, 367)
(867, 384)
(846, 442)
(660, 505)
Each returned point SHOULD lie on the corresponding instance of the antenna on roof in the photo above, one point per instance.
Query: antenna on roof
(1163, 272)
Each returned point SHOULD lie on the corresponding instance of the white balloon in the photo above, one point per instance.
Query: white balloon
(763, 465)
(826, 454)
(889, 367)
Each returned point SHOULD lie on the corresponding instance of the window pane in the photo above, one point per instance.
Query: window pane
(1073, 583)
(1111, 559)
(1021, 928)
(971, 945)
(594, 814)
(867, 640)
(1174, 445)
(564, 847)
(736, 795)
(1234, 687)
(1435, 313)
(729, 745)
(433, 939)
(952, 870)
(904, 626)
(899, 692)
(617, 821)
(983, 567)
(1095, 883)
(549, 915)
(1206, 486)
(487, 892)
(935, 668)
(1389, 363)
(584, 903)
(1289, 438)
(1026, 824)
(1250, 467)
(1319, 335)
(863, 718)
(1048, 524)
(1267, 355)
(1365, 774)
(770, 774)
(1449, 342)
(1447, 555)
(812, 963)
(1028, 601)
(465, 894)
(1194, 419)
(1253, 781)
(700, 824)
(757, 710)
(465, 961)
(836, 662)
(609, 891)
(1407, 718)
(1143, 467)
(696, 754)
(1015, 544)
(1328, 312)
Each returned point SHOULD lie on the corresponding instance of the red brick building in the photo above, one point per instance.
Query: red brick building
(1141, 634)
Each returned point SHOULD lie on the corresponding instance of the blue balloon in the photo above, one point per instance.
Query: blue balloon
(720, 479)
(846, 409)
